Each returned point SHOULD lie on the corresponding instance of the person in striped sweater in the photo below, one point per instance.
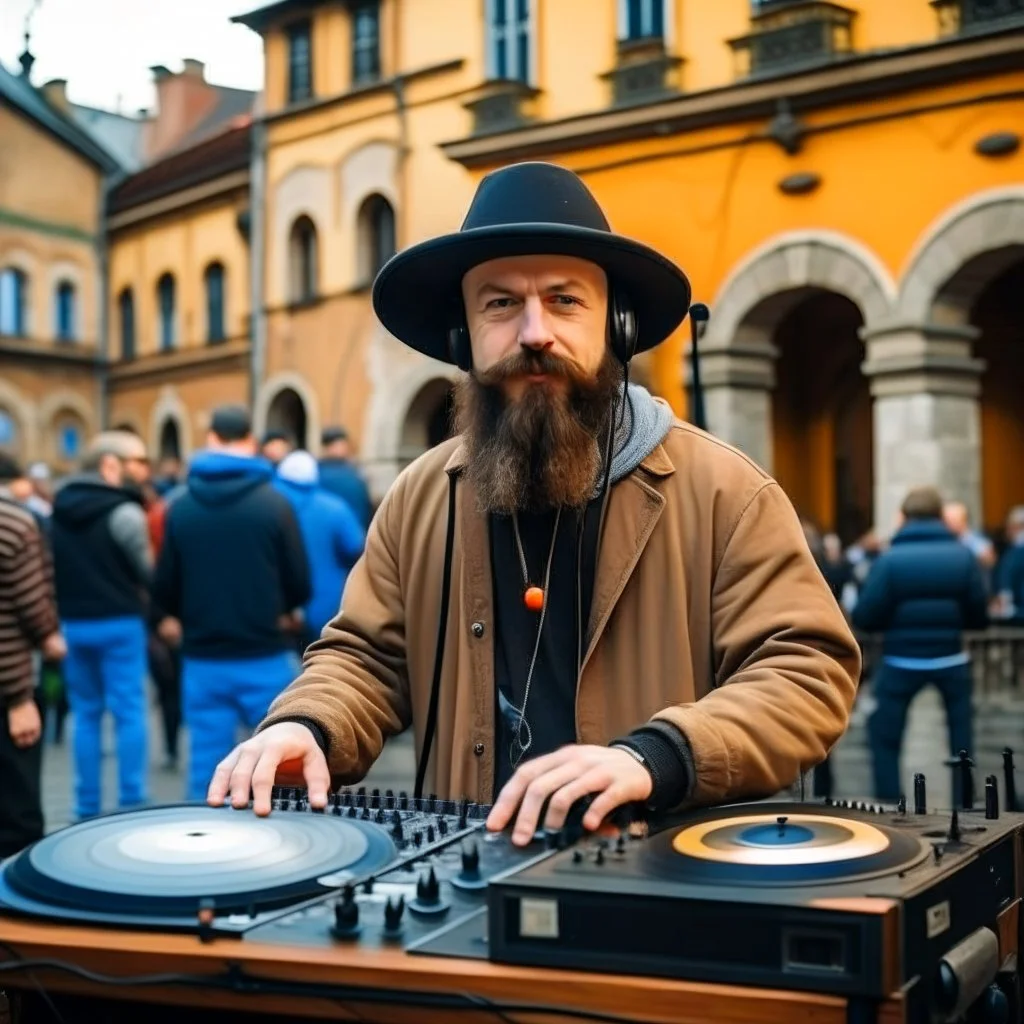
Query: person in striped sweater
(28, 621)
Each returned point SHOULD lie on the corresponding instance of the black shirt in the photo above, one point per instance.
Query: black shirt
(551, 706)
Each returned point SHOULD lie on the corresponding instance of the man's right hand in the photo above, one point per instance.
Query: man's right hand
(254, 765)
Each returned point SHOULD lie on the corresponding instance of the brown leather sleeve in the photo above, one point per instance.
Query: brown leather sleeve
(354, 683)
(786, 663)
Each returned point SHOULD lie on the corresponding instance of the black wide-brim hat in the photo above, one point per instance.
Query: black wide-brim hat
(527, 209)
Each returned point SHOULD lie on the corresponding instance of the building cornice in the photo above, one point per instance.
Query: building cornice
(174, 201)
(861, 77)
(169, 366)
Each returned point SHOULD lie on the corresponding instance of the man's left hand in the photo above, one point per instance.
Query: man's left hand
(566, 776)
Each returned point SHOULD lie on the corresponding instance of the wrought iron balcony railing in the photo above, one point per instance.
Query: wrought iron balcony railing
(644, 72)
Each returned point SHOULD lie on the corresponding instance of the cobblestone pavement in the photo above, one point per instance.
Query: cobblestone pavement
(998, 724)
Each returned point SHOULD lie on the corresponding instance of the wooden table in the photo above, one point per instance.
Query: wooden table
(134, 954)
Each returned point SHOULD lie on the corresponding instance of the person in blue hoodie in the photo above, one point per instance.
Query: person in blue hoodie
(102, 563)
(341, 477)
(333, 537)
(231, 575)
(921, 595)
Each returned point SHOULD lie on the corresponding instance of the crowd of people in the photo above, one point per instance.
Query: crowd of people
(209, 584)
(934, 580)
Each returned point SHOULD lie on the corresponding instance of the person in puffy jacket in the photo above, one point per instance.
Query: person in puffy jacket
(921, 595)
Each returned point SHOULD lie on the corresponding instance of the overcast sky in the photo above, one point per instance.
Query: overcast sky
(104, 48)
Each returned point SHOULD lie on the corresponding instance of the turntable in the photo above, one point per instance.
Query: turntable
(852, 900)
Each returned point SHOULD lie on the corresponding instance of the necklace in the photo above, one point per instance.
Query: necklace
(535, 598)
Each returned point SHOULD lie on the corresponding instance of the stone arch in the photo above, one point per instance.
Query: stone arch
(386, 446)
(305, 191)
(367, 171)
(788, 263)
(289, 381)
(23, 412)
(960, 254)
(169, 405)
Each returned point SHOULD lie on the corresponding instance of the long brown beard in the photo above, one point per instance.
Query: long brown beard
(544, 449)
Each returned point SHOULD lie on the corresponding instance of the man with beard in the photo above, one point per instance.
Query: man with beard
(580, 598)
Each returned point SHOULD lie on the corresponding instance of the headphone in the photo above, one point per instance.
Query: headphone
(622, 332)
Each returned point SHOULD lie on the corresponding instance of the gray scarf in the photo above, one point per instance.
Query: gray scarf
(639, 430)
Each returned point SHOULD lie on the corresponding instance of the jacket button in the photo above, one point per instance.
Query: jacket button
(478, 629)
(478, 749)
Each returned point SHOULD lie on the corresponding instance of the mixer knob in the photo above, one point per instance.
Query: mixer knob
(368, 886)
(620, 845)
(336, 809)
(376, 796)
(389, 798)
(463, 815)
(577, 856)
(428, 896)
(365, 816)
(398, 832)
(901, 807)
(442, 826)
(345, 797)
(283, 804)
(417, 838)
(361, 796)
(379, 816)
(469, 877)
(432, 802)
(393, 912)
(991, 798)
(430, 834)
(403, 801)
(346, 915)
(352, 812)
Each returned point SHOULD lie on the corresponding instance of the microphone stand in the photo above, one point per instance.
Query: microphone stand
(699, 316)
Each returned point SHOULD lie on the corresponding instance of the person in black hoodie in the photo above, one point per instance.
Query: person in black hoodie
(102, 568)
(920, 595)
(232, 572)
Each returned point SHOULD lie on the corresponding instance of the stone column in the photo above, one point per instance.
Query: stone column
(927, 420)
(738, 383)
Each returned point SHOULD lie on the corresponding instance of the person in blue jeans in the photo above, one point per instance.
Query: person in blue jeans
(333, 537)
(102, 565)
(230, 579)
(921, 595)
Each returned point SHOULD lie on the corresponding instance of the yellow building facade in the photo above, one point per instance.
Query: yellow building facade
(179, 287)
(841, 181)
(51, 265)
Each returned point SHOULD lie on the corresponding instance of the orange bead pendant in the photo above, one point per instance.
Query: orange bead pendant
(534, 598)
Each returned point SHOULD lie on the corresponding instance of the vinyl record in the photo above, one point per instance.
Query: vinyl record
(780, 844)
(162, 862)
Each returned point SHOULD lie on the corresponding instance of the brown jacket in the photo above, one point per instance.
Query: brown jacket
(708, 611)
(28, 611)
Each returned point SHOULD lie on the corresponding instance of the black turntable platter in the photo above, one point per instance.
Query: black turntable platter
(780, 844)
(160, 863)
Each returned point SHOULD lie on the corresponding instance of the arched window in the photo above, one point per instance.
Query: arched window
(13, 302)
(126, 315)
(376, 233)
(214, 278)
(64, 314)
(170, 439)
(302, 261)
(165, 306)
(68, 433)
(287, 413)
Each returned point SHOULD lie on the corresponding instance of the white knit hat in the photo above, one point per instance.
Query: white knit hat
(299, 467)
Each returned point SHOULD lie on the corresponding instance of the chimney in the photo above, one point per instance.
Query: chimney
(26, 60)
(56, 93)
(183, 100)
